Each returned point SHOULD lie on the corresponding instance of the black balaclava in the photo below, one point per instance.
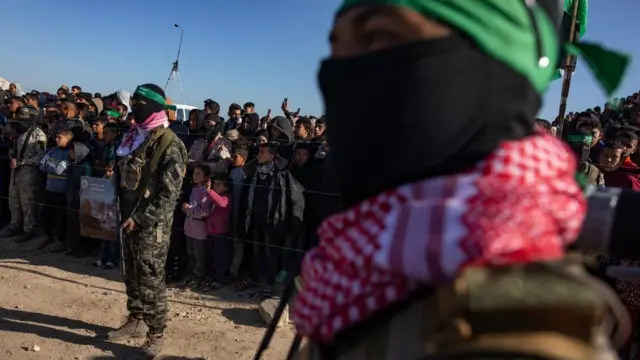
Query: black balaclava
(141, 112)
(431, 108)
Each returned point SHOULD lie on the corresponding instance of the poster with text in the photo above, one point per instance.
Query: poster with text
(97, 209)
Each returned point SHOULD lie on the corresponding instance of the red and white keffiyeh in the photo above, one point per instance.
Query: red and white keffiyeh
(521, 204)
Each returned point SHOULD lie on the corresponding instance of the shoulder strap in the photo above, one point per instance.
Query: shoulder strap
(163, 140)
(27, 135)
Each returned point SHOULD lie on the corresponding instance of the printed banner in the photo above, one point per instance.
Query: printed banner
(98, 209)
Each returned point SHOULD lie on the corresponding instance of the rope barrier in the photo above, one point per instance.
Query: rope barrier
(189, 178)
(173, 227)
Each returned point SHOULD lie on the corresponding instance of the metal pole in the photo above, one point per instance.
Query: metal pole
(568, 70)
(175, 65)
(179, 44)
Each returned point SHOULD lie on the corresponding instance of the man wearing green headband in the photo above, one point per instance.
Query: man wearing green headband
(151, 165)
(460, 82)
(580, 143)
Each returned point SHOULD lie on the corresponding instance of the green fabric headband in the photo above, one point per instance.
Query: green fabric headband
(150, 94)
(503, 29)
(579, 139)
(112, 113)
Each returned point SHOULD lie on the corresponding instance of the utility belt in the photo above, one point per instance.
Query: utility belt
(533, 311)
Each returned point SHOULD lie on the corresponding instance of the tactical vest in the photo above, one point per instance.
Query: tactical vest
(534, 311)
(139, 167)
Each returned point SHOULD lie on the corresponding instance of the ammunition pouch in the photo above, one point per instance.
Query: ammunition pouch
(551, 310)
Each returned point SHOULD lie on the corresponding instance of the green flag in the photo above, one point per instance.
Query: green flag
(565, 29)
(607, 66)
(581, 17)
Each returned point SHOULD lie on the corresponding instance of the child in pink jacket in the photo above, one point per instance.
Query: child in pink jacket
(217, 226)
(197, 211)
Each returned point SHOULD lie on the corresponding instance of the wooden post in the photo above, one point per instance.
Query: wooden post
(568, 70)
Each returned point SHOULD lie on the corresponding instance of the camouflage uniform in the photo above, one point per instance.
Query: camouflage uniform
(145, 249)
(25, 182)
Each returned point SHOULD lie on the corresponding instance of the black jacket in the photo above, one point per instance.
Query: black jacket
(79, 168)
(287, 210)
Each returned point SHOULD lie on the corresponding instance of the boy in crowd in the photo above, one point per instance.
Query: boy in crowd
(272, 205)
(55, 164)
(580, 142)
(239, 156)
(611, 159)
(106, 153)
(80, 166)
(109, 250)
(594, 127)
(303, 131)
(630, 142)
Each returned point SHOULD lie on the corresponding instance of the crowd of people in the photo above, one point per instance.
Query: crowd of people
(253, 194)
(247, 207)
(605, 141)
(444, 240)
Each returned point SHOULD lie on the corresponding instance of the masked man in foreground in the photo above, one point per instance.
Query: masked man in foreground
(461, 81)
(152, 161)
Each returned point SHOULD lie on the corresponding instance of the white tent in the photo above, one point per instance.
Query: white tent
(4, 84)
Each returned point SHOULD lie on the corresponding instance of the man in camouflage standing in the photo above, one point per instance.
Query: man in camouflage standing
(25, 156)
(152, 161)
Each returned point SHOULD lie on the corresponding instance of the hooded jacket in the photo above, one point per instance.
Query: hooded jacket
(286, 210)
(250, 125)
(197, 140)
(80, 166)
(124, 97)
(286, 136)
(213, 130)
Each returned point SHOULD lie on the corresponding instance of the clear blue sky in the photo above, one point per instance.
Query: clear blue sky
(233, 50)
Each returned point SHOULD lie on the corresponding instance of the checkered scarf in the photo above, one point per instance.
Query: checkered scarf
(522, 204)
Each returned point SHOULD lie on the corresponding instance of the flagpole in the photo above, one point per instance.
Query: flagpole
(568, 71)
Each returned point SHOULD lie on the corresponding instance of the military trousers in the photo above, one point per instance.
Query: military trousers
(145, 254)
(24, 188)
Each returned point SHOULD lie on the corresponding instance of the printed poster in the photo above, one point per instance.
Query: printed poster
(98, 209)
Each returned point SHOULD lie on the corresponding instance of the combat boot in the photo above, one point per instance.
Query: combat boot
(134, 327)
(43, 242)
(153, 346)
(8, 232)
(24, 238)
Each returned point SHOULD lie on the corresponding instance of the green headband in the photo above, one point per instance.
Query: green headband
(579, 139)
(504, 30)
(112, 113)
(150, 94)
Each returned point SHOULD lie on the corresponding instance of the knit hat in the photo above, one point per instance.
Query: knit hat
(520, 34)
(99, 105)
(232, 135)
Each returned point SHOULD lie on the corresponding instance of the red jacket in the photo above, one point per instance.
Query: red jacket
(218, 221)
(622, 178)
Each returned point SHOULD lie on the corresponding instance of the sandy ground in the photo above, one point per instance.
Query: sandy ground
(65, 307)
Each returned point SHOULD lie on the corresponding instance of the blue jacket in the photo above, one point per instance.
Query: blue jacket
(55, 163)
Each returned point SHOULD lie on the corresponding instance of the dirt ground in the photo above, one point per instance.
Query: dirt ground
(63, 308)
